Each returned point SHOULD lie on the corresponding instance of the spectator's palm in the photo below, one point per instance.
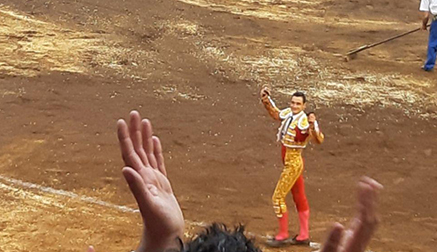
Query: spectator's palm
(146, 175)
(357, 237)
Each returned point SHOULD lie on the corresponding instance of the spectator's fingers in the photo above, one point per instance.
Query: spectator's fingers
(138, 188)
(375, 184)
(157, 150)
(135, 134)
(346, 238)
(364, 224)
(333, 241)
(91, 249)
(148, 142)
(367, 203)
(128, 153)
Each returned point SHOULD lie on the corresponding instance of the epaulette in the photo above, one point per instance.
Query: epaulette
(285, 113)
(303, 123)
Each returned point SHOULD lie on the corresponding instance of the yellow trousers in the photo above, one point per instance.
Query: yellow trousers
(293, 167)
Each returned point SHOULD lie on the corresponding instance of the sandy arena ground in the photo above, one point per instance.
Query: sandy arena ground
(70, 69)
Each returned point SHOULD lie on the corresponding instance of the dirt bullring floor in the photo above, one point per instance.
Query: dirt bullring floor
(70, 69)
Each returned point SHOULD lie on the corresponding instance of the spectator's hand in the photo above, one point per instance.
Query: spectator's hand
(91, 249)
(145, 173)
(362, 227)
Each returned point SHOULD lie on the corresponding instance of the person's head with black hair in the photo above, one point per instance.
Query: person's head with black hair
(298, 102)
(300, 94)
(218, 238)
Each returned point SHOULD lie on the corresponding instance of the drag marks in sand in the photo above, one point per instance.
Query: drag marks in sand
(30, 47)
(285, 10)
(289, 69)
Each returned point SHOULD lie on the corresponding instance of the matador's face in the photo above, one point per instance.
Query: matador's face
(297, 105)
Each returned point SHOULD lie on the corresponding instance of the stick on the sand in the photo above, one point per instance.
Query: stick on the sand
(352, 54)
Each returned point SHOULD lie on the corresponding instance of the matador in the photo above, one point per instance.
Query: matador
(296, 130)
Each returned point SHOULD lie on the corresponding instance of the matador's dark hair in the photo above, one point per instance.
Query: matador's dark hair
(300, 94)
(218, 238)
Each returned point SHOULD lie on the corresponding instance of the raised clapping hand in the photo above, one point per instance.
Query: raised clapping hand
(363, 225)
(312, 118)
(145, 173)
(265, 91)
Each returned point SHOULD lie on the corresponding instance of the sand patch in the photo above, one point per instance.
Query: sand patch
(30, 47)
(285, 10)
